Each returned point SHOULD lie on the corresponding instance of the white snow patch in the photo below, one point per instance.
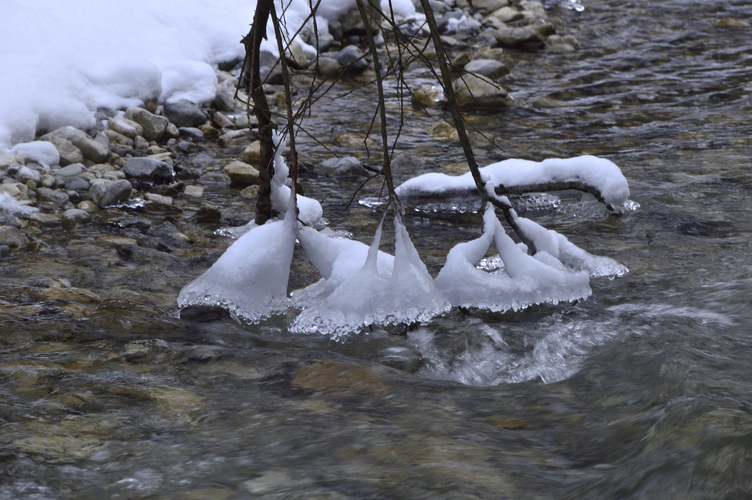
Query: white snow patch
(42, 152)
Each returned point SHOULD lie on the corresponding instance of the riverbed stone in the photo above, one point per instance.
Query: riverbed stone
(532, 36)
(52, 195)
(68, 152)
(297, 58)
(252, 154)
(74, 217)
(347, 165)
(184, 113)
(194, 191)
(327, 66)
(71, 170)
(12, 237)
(235, 138)
(76, 183)
(148, 169)
(224, 99)
(351, 58)
(117, 139)
(154, 126)
(242, 173)
(124, 126)
(427, 95)
(565, 43)
(474, 92)
(491, 68)
(88, 205)
(26, 174)
(106, 193)
(485, 6)
(208, 213)
(90, 148)
(222, 121)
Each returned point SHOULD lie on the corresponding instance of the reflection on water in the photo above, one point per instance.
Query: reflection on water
(641, 391)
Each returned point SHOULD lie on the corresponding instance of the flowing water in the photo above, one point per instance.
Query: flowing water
(642, 391)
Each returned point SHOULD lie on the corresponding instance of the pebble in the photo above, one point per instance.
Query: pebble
(252, 153)
(154, 126)
(71, 170)
(12, 237)
(474, 92)
(52, 195)
(4, 251)
(241, 173)
(208, 213)
(491, 68)
(184, 113)
(148, 169)
(126, 127)
(107, 193)
(235, 138)
(194, 191)
(74, 217)
(351, 58)
(68, 152)
(347, 165)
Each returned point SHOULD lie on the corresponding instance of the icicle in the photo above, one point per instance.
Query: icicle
(524, 281)
(310, 209)
(250, 278)
(368, 295)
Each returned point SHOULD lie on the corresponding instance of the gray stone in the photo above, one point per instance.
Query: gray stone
(25, 174)
(224, 100)
(528, 37)
(4, 251)
(154, 126)
(90, 148)
(484, 6)
(242, 173)
(222, 121)
(140, 143)
(68, 152)
(11, 160)
(52, 195)
(507, 14)
(427, 95)
(184, 113)
(172, 131)
(76, 183)
(127, 127)
(350, 59)
(11, 237)
(296, 56)
(347, 165)
(71, 170)
(479, 93)
(208, 213)
(191, 133)
(328, 66)
(406, 162)
(8, 219)
(252, 153)
(108, 193)
(148, 169)
(487, 67)
(116, 138)
(74, 217)
(566, 43)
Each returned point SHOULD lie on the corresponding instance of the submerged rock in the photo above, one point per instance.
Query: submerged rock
(242, 173)
(148, 169)
(184, 113)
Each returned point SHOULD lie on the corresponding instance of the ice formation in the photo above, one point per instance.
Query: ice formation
(598, 173)
(250, 278)
(310, 209)
(370, 296)
(524, 281)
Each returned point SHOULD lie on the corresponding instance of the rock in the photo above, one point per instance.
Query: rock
(214, 179)
(8, 219)
(478, 93)
(116, 138)
(327, 66)
(249, 193)
(11, 160)
(224, 100)
(297, 57)
(252, 153)
(74, 217)
(107, 193)
(158, 198)
(222, 121)
(140, 143)
(444, 129)
(242, 173)
(566, 43)
(147, 169)
(154, 126)
(507, 14)
(353, 139)
(427, 95)
(88, 205)
(11, 237)
(4, 251)
(90, 148)
(528, 37)
(460, 60)
(347, 165)
(71, 170)
(406, 162)
(52, 195)
(351, 58)
(172, 131)
(208, 213)
(487, 67)
(485, 6)
(184, 113)
(191, 133)
(194, 191)
(127, 127)
(26, 174)
(76, 183)
(235, 138)
(68, 152)
(208, 130)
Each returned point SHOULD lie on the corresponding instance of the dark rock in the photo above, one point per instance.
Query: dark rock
(184, 114)
(341, 166)
(148, 169)
(4, 251)
(11, 237)
(191, 133)
(52, 195)
(487, 67)
(208, 213)
(154, 125)
(76, 183)
(351, 58)
(108, 193)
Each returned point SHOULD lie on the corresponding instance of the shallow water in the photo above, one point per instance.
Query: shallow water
(641, 391)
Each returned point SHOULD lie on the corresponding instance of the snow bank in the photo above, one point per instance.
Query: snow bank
(598, 173)
(42, 152)
(60, 61)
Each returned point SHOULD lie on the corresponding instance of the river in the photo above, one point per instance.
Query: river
(644, 390)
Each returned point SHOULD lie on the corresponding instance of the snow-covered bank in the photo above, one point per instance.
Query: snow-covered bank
(60, 61)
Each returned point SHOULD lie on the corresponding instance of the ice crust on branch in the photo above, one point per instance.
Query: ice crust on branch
(250, 278)
(310, 209)
(369, 294)
(589, 171)
(524, 281)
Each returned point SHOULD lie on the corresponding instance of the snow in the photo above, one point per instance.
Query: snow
(250, 278)
(310, 209)
(592, 171)
(368, 297)
(523, 281)
(61, 61)
(42, 152)
(11, 205)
